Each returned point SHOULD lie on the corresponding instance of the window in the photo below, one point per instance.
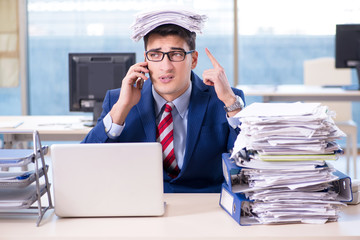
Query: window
(59, 27)
(277, 36)
(9, 57)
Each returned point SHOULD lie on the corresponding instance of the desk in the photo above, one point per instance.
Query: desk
(50, 128)
(283, 93)
(187, 216)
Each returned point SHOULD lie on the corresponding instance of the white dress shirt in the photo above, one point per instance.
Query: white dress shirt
(180, 119)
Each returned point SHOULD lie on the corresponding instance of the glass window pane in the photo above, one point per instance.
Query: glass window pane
(57, 28)
(277, 36)
(10, 103)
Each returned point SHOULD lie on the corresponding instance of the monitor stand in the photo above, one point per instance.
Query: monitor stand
(96, 114)
(355, 87)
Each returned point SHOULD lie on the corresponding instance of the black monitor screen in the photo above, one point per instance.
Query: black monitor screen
(347, 49)
(92, 74)
(347, 45)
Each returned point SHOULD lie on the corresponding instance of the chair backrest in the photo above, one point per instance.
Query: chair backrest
(322, 71)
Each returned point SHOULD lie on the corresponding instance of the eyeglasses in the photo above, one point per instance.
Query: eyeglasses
(174, 56)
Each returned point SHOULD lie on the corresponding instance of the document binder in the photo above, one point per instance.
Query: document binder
(343, 187)
(286, 179)
(355, 188)
(230, 171)
(236, 181)
(237, 206)
(244, 205)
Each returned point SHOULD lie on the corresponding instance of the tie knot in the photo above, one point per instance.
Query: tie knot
(169, 106)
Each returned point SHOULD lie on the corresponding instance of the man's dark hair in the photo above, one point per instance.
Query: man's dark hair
(172, 29)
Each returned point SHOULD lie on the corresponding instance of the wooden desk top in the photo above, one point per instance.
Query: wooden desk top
(50, 128)
(67, 124)
(299, 93)
(188, 216)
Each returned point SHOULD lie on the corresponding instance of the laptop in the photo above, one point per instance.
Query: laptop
(110, 179)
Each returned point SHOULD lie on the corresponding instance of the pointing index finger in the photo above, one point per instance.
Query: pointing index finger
(213, 60)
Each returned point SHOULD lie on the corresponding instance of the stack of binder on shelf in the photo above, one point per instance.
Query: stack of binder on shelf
(279, 169)
(23, 189)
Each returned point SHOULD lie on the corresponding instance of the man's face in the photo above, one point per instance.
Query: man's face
(170, 79)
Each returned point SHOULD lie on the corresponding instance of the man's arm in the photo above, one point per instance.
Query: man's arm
(114, 115)
(130, 92)
(234, 123)
(217, 77)
(98, 133)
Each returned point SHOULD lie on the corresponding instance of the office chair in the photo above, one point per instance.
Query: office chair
(321, 72)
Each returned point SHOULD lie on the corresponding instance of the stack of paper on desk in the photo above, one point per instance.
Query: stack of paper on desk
(287, 193)
(287, 129)
(278, 172)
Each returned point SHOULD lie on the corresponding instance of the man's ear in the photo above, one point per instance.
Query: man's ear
(194, 59)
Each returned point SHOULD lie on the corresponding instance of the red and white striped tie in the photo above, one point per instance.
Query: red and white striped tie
(165, 135)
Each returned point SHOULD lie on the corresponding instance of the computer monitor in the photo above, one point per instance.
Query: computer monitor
(91, 75)
(347, 49)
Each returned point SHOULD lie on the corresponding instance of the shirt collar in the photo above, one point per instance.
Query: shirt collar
(181, 103)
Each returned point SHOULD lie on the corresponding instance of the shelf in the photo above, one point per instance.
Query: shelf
(19, 179)
(21, 190)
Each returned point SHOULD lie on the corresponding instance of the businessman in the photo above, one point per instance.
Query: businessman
(191, 117)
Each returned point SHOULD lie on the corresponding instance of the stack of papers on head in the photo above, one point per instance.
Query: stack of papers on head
(283, 168)
(145, 22)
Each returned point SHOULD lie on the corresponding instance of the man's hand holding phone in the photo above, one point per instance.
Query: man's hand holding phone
(130, 92)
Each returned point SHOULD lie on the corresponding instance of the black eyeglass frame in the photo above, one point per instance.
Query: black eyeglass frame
(167, 53)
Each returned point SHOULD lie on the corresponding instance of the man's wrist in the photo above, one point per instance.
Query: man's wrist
(112, 129)
(118, 113)
(237, 105)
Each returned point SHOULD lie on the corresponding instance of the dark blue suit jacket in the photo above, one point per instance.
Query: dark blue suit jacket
(208, 135)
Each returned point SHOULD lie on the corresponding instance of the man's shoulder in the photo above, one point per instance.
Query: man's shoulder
(198, 83)
(111, 93)
(112, 96)
(115, 91)
(238, 91)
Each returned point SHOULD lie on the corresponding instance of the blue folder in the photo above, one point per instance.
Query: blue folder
(237, 206)
(233, 200)
(232, 175)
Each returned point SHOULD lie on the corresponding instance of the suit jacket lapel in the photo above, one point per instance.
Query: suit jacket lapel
(197, 109)
(146, 111)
